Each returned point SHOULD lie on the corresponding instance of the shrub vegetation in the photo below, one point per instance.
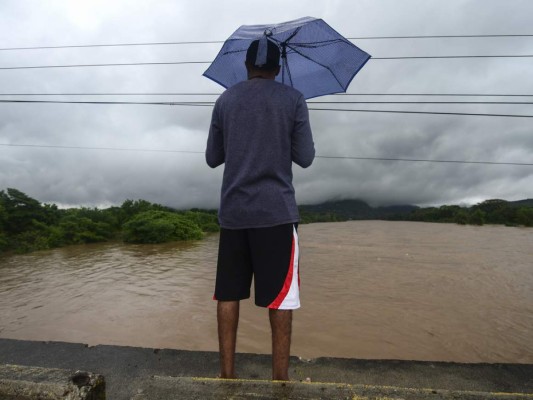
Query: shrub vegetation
(27, 225)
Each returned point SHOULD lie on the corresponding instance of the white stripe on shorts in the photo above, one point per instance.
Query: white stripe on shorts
(290, 295)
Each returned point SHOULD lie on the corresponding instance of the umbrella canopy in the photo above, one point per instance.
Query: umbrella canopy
(315, 59)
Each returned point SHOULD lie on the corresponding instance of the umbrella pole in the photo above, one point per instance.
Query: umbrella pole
(283, 61)
(285, 64)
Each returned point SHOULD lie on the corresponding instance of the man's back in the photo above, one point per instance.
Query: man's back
(259, 128)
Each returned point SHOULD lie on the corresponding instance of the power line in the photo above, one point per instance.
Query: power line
(309, 102)
(100, 148)
(424, 160)
(220, 41)
(437, 36)
(384, 102)
(425, 112)
(151, 103)
(437, 94)
(420, 102)
(111, 94)
(107, 65)
(317, 156)
(74, 46)
(210, 104)
(209, 62)
(218, 94)
(450, 57)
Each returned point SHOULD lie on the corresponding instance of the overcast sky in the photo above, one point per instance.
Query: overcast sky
(82, 177)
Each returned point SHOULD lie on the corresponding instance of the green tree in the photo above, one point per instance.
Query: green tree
(524, 216)
(101, 219)
(461, 217)
(76, 229)
(25, 222)
(133, 207)
(160, 227)
(496, 211)
(3, 236)
(21, 211)
(35, 237)
(206, 221)
(428, 214)
(477, 217)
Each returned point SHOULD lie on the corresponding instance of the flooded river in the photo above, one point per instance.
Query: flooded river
(370, 289)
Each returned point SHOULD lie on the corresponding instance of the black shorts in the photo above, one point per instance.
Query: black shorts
(270, 256)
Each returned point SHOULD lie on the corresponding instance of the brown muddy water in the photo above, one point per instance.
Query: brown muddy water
(370, 289)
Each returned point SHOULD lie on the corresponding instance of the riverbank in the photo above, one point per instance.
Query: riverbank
(132, 371)
(26, 225)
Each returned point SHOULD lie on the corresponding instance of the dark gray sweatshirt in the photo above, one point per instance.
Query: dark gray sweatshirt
(258, 129)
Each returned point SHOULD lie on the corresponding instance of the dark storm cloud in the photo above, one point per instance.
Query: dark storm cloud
(105, 177)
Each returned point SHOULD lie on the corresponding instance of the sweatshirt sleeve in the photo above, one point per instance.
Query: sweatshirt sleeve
(303, 147)
(214, 153)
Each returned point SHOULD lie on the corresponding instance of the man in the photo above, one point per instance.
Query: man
(258, 128)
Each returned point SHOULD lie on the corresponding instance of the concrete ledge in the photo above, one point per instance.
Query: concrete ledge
(24, 383)
(129, 369)
(166, 388)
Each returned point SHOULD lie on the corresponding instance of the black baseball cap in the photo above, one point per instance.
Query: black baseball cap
(273, 55)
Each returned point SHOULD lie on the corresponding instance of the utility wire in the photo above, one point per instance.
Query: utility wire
(152, 103)
(419, 102)
(443, 57)
(106, 65)
(209, 104)
(310, 102)
(424, 160)
(110, 45)
(220, 41)
(100, 148)
(218, 94)
(209, 62)
(436, 36)
(436, 94)
(425, 112)
(317, 156)
(111, 94)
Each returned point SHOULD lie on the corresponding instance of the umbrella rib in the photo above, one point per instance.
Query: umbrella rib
(288, 70)
(316, 62)
(313, 45)
(233, 52)
(285, 63)
(286, 41)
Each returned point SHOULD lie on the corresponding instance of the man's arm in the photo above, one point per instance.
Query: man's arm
(214, 153)
(303, 147)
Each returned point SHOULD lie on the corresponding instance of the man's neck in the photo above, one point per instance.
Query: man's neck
(261, 74)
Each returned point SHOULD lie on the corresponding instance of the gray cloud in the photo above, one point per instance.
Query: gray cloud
(105, 177)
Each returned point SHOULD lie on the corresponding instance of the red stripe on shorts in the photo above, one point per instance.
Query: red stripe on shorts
(287, 284)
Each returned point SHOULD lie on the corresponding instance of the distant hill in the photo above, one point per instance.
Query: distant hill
(356, 210)
(522, 203)
(494, 211)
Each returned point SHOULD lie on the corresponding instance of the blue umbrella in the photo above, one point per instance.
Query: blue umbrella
(315, 59)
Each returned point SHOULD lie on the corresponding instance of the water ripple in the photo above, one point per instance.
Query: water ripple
(371, 289)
